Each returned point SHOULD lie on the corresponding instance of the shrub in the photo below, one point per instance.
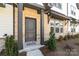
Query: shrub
(76, 35)
(60, 38)
(71, 36)
(67, 37)
(11, 48)
(52, 42)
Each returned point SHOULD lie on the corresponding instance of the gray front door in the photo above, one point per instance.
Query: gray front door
(30, 29)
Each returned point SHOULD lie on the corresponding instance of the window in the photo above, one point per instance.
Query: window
(72, 29)
(56, 27)
(52, 29)
(57, 30)
(61, 30)
(73, 10)
(57, 24)
(58, 5)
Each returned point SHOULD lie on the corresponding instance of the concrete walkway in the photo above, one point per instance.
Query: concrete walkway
(33, 50)
(36, 52)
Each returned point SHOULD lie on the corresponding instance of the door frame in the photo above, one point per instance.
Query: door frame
(35, 27)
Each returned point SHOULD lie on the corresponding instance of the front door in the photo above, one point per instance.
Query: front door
(30, 29)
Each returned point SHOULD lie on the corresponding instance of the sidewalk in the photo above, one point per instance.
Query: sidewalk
(36, 52)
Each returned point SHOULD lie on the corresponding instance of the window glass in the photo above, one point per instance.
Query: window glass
(58, 5)
(61, 30)
(57, 30)
(72, 29)
(73, 9)
(57, 27)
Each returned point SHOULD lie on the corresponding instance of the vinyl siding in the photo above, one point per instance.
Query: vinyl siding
(6, 20)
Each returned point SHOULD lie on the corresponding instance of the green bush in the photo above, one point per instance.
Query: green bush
(76, 35)
(60, 38)
(67, 37)
(52, 42)
(11, 48)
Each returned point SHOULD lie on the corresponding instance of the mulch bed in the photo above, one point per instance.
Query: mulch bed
(60, 51)
(2, 53)
(47, 52)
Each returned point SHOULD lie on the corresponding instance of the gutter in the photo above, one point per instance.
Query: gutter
(54, 13)
(34, 5)
(37, 5)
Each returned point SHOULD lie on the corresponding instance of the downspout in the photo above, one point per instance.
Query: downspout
(67, 21)
(67, 16)
(42, 27)
(13, 20)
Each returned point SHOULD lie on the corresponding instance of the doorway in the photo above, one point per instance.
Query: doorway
(30, 29)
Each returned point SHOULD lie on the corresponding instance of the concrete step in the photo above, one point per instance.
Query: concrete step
(30, 43)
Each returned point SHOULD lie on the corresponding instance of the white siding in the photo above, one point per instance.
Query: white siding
(63, 10)
(69, 10)
(6, 20)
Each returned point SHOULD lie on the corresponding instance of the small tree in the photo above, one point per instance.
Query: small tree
(52, 42)
(11, 48)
